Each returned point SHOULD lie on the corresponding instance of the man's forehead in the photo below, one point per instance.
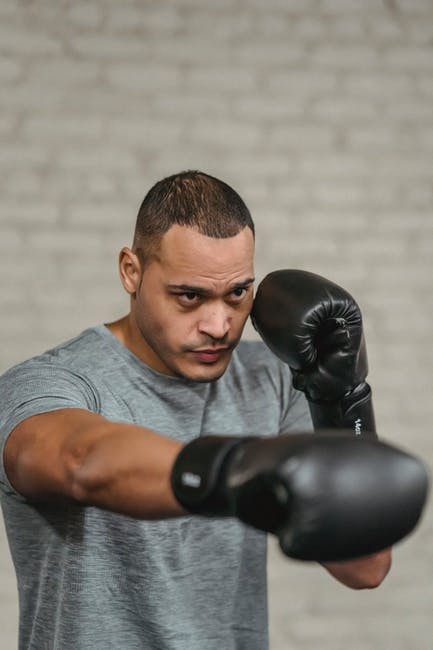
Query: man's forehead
(185, 246)
(192, 260)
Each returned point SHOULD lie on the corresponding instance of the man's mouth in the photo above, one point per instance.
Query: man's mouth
(209, 355)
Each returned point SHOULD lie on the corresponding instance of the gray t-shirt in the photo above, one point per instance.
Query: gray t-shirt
(90, 579)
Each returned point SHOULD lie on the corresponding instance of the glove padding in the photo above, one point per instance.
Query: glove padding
(327, 498)
(315, 326)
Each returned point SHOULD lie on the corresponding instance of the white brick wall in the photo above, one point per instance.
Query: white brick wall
(320, 113)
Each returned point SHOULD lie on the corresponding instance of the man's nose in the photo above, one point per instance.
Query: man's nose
(215, 322)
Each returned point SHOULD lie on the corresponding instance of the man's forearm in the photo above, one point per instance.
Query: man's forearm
(362, 573)
(74, 454)
(126, 469)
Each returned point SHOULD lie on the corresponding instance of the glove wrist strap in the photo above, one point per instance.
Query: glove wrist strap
(197, 478)
(354, 411)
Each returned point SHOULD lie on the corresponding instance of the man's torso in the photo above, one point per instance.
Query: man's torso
(93, 579)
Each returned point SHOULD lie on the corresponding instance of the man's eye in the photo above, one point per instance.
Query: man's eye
(238, 293)
(188, 296)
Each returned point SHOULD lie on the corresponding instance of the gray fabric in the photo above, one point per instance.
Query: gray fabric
(90, 579)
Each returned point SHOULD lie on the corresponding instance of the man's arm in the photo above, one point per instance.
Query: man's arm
(362, 573)
(300, 317)
(73, 454)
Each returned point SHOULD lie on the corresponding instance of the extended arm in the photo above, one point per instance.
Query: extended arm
(76, 455)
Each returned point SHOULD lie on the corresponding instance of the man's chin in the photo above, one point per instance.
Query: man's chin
(206, 380)
(203, 372)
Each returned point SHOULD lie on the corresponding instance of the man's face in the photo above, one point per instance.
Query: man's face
(193, 302)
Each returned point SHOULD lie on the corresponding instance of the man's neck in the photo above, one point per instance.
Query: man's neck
(127, 332)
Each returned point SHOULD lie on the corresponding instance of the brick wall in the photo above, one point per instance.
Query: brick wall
(320, 113)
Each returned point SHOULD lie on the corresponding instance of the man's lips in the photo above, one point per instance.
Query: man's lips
(209, 355)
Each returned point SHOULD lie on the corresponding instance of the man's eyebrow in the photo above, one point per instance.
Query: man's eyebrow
(189, 288)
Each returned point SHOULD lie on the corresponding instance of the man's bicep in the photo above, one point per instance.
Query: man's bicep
(36, 388)
(40, 452)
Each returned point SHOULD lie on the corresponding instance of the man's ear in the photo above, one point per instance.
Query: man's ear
(129, 270)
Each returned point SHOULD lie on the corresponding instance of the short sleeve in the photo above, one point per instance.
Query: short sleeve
(295, 414)
(32, 388)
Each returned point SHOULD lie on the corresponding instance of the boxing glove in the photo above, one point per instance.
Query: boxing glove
(315, 326)
(327, 498)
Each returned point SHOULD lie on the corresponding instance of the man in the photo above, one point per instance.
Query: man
(105, 555)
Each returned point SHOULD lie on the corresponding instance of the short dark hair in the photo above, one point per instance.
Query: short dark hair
(193, 199)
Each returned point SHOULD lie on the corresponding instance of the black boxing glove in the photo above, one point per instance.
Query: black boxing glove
(327, 498)
(315, 326)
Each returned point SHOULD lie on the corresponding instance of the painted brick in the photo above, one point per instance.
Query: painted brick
(240, 26)
(387, 29)
(419, 32)
(107, 47)
(85, 15)
(24, 41)
(302, 84)
(274, 24)
(21, 214)
(415, 7)
(7, 125)
(335, 110)
(10, 69)
(278, 54)
(102, 158)
(97, 215)
(332, 164)
(60, 242)
(359, 57)
(292, 7)
(134, 77)
(20, 154)
(271, 165)
(63, 128)
(22, 184)
(266, 109)
(409, 58)
(347, 26)
(131, 18)
(237, 78)
(303, 137)
(63, 71)
(181, 50)
(217, 132)
(411, 111)
(23, 97)
(424, 84)
(351, 7)
(376, 84)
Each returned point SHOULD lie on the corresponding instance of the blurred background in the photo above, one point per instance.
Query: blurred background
(319, 112)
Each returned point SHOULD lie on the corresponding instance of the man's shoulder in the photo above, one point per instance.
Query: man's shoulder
(75, 354)
(254, 362)
(255, 354)
(85, 347)
(59, 378)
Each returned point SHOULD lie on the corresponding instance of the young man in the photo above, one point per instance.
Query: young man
(105, 555)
